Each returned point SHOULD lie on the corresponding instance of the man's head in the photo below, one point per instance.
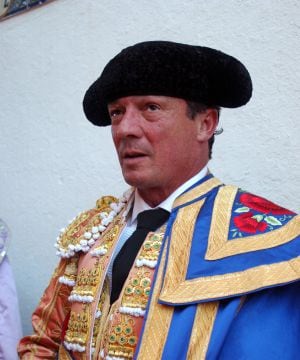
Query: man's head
(158, 144)
(184, 86)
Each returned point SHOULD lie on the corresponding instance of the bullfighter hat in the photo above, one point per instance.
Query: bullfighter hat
(193, 73)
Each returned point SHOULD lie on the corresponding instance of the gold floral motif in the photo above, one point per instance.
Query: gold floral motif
(151, 246)
(137, 289)
(122, 338)
(78, 327)
(87, 281)
(110, 235)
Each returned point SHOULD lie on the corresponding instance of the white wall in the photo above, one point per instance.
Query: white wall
(54, 163)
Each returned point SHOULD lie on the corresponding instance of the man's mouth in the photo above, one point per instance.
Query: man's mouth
(133, 154)
(132, 157)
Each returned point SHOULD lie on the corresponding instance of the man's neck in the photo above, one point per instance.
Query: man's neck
(154, 196)
(140, 204)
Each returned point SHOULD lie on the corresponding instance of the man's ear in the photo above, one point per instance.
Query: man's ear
(207, 123)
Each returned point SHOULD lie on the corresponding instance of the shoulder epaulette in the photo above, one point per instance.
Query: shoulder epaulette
(86, 228)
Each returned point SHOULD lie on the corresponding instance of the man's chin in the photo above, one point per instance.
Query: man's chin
(135, 179)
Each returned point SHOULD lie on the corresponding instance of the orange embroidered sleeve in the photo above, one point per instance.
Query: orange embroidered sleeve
(48, 320)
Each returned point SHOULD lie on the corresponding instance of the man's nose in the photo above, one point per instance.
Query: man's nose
(130, 124)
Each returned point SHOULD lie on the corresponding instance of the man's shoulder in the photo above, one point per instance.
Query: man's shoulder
(84, 230)
(229, 242)
(249, 214)
(243, 223)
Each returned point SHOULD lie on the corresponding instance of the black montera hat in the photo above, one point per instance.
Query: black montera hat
(189, 72)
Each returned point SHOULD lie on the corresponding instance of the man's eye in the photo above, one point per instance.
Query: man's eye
(153, 107)
(114, 113)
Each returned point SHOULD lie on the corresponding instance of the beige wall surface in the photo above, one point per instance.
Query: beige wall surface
(55, 164)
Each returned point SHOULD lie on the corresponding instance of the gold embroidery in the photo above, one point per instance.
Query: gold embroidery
(218, 286)
(158, 322)
(137, 289)
(178, 290)
(122, 339)
(73, 233)
(218, 244)
(84, 222)
(126, 319)
(78, 327)
(151, 246)
(71, 269)
(202, 329)
(108, 238)
(111, 234)
(197, 191)
(87, 280)
(181, 240)
(105, 201)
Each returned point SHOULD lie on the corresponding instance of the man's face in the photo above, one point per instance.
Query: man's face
(156, 143)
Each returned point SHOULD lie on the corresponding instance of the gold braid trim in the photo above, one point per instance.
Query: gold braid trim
(181, 241)
(197, 191)
(214, 287)
(218, 244)
(202, 329)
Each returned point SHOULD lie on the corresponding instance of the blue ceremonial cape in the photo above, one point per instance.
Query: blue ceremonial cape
(227, 284)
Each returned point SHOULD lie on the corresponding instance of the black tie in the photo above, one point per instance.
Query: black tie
(148, 220)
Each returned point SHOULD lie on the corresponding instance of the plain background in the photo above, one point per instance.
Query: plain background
(55, 164)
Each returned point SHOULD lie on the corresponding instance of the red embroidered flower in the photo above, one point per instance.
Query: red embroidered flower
(246, 223)
(263, 205)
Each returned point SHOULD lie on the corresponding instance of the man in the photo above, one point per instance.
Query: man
(213, 271)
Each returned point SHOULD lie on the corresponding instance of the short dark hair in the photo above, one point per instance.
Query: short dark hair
(194, 108)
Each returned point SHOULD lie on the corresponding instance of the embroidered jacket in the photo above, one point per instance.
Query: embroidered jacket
(221, 281)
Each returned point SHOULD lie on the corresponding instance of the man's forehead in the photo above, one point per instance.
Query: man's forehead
(145, 98)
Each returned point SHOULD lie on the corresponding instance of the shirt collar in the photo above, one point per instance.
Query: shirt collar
(140, 205)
